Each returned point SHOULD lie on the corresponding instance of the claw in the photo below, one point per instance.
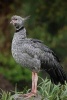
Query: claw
(29, 95)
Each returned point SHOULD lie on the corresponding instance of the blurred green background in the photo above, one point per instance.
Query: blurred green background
(48, 22)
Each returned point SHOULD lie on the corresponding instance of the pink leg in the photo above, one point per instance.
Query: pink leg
(34, 82)
(34, 86)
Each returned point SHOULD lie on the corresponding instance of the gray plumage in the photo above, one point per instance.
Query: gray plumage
(33, 54)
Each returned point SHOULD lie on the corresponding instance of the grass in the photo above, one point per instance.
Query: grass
(51, 91)
(46, 89)
(5, 95)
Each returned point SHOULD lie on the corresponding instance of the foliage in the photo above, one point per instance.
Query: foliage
(47, 90)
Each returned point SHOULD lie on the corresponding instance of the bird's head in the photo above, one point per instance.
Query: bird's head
(18, 21)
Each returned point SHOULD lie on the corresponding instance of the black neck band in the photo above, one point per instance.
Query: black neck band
(19, 29)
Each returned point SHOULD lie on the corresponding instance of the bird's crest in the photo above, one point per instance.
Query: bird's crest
(27, 17)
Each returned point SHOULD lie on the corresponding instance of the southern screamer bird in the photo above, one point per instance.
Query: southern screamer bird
(34, 55)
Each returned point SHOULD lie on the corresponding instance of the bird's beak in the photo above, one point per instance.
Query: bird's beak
(11, 22)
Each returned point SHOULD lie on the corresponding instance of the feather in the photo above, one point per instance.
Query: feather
(55, 70)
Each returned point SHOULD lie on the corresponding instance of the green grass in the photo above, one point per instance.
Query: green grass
(51, 91)
(46, 89)
(5, 95)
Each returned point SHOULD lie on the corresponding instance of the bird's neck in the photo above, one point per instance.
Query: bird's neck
(21, 33)
(19, 29)
(19, 36)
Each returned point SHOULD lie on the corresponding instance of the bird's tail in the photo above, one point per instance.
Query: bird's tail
(57, 74)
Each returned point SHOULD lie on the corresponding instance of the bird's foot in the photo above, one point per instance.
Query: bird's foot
(28, 95)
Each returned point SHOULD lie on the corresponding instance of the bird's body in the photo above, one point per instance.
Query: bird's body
(36, 56)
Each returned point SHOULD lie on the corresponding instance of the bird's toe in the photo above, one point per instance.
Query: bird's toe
(29, 95)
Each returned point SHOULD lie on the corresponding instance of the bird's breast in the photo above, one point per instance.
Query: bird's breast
(16, 48)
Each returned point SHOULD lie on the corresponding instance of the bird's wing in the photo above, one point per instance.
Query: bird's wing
(50, 62)
(39, 44)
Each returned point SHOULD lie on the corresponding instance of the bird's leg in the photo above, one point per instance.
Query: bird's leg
(34, 82)
(34, 86)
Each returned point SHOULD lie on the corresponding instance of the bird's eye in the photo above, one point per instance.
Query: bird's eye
(15, 19)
